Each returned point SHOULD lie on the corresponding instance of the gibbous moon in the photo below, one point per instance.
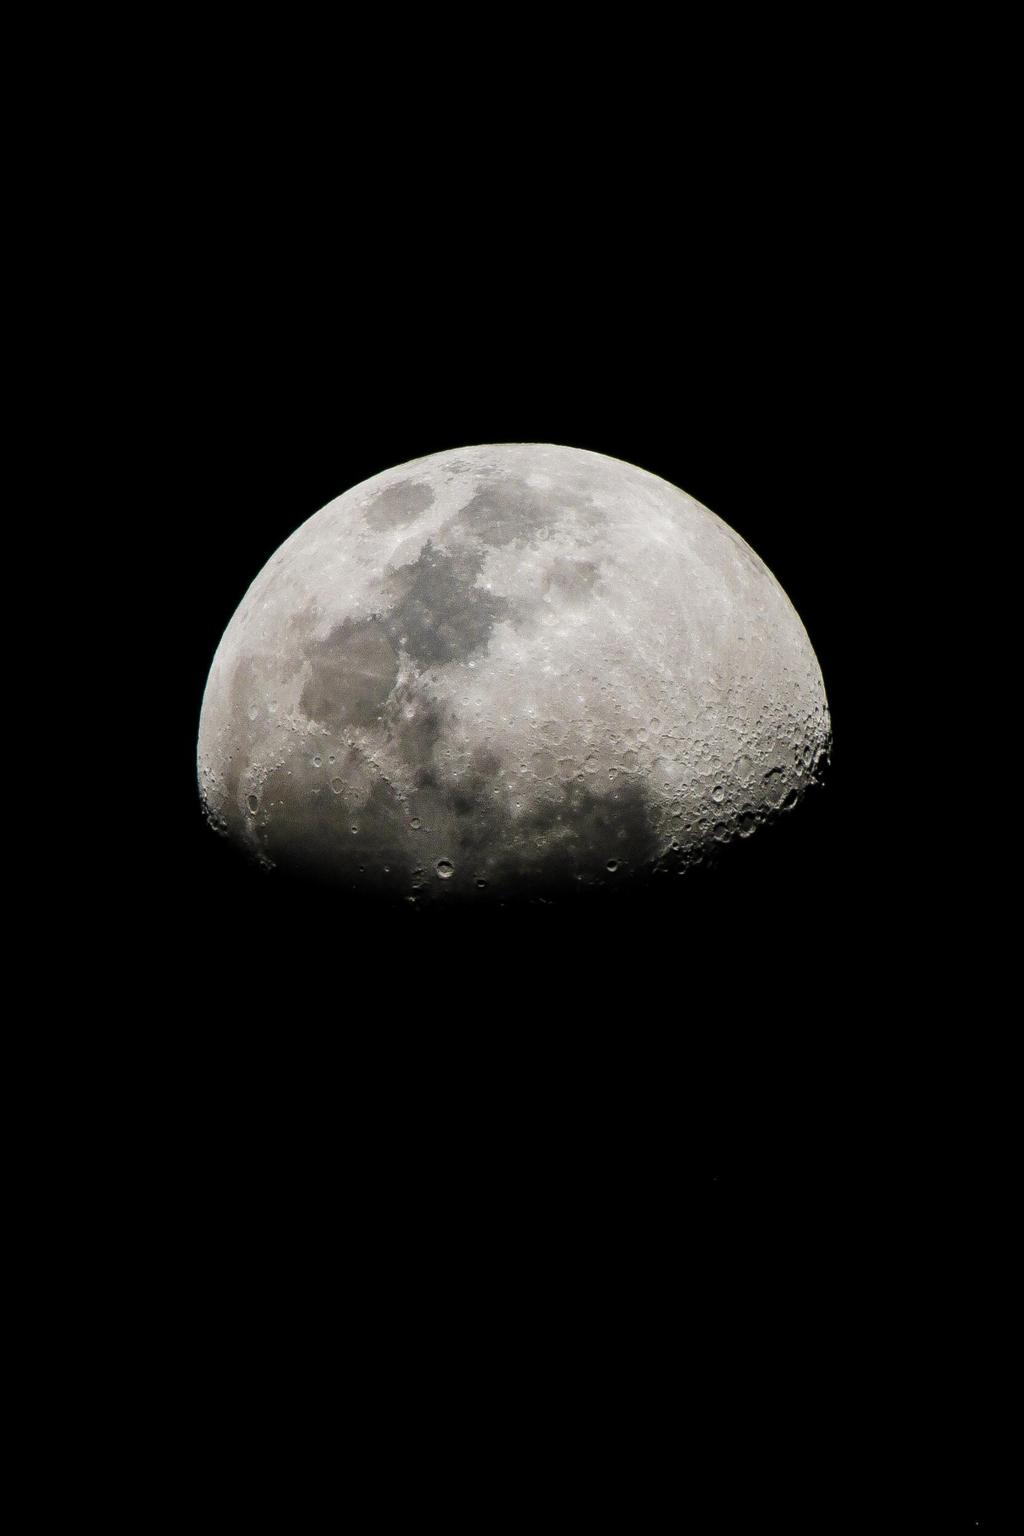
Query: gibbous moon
(512, 670)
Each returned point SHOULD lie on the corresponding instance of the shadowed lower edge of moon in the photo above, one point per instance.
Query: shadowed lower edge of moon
(580, 843)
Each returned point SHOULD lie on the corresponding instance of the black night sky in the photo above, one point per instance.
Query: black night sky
(710, 1192)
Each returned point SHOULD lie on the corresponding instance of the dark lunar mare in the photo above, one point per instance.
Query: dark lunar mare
(512, 511)
(435, 613)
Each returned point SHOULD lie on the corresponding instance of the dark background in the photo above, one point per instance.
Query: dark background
(751, 1101)
(735, 1158)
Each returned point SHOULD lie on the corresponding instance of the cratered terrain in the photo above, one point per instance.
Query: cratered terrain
(508, 671)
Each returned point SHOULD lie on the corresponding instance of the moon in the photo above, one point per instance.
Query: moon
(514, 670)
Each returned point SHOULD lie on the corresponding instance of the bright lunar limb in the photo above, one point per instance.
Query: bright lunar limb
(508, 671)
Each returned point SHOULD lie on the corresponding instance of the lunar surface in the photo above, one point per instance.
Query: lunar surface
(508, 671)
